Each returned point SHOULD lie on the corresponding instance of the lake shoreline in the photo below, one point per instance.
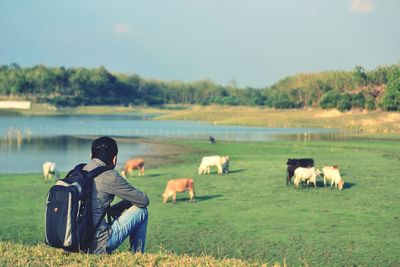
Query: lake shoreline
(359, 122)
(161, 152)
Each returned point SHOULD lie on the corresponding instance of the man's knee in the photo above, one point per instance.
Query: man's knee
(138, 213)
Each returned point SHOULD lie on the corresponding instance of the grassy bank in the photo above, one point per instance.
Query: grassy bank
(248, 214)
(354, 122)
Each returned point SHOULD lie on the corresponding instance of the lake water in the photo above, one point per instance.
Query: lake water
(28, 141)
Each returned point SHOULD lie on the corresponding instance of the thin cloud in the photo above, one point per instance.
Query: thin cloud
(361, 5)
(121, 28)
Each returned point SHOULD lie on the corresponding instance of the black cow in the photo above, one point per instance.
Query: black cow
(293, 164)
(212, 140)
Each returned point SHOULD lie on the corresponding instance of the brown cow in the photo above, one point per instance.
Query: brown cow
(178, 185)
(132, 164)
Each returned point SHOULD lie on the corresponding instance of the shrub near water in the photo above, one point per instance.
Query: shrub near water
(249, 214)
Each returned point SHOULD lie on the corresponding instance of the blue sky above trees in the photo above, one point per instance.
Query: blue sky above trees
(253, 43)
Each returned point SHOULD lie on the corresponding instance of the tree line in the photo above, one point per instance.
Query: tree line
(378, 88)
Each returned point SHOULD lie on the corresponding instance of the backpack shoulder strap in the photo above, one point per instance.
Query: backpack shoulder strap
(78, 167)
(97, 171)
(93, 174)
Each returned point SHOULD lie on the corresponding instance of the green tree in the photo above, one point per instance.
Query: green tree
(101, 83)
(127, 89)
(152, 93)
(391, 98)
(251, 97)
(60, 80)
(379, 75)
(43, 80)
(79, 81)
(360, 75)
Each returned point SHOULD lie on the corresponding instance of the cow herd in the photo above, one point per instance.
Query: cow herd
(173, 185)
(302, 170)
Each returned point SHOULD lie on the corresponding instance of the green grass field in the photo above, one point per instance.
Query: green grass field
(250, 213)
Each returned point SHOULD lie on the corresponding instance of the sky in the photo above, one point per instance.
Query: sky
(249, 43)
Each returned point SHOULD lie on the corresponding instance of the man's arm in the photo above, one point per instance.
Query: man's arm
(121, 188)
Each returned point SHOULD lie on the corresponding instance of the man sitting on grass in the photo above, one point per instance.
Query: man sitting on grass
(129, 215)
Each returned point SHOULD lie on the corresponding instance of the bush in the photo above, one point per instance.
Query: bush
(225, 100)
(330, 100)
(285, 104)
(370, 103)
(344, 103)
(358, 100)
(66, 101)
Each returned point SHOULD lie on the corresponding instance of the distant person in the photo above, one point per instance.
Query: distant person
(129, 216)
(212, 140)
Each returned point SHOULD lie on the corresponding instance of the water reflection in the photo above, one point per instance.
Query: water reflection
(129, 126)
(66, 151)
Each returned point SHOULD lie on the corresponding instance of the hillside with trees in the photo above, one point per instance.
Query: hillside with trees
(373, 89)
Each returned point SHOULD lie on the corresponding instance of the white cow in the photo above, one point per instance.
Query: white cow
(49, 170)
(222, 163)
(332, 173)
(306, 174)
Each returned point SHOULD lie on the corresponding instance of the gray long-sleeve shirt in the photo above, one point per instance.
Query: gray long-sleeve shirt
(105, 187)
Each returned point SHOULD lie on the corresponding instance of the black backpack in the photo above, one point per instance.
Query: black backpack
(68, 213)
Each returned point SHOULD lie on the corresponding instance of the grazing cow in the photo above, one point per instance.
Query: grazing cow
(49, 170)
(306, 175)
(332, 173)
(222, 163)
(293, 164)
(178, 185)
(212, 140)
(132, 164)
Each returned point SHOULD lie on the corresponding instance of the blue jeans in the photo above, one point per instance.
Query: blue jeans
(132, 223)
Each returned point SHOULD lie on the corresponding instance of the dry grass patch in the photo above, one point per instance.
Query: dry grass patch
(41, 255)
(163, 153)
(360, 121)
